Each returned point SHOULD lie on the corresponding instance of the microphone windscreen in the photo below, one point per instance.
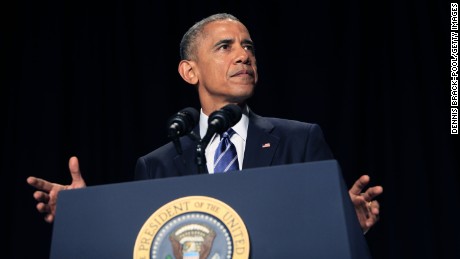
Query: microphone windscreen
(234, 113)
(192, 115)
(223, 119)
(183, 122)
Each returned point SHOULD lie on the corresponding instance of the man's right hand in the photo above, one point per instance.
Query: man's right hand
(47, 193)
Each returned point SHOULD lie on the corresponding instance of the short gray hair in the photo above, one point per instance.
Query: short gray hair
(189, 40)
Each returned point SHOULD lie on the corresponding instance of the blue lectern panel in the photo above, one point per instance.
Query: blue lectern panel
(290, 211)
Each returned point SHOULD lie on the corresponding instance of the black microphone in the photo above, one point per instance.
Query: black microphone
(181, 124)
(221, 120)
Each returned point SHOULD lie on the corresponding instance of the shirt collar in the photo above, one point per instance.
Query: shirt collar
(241, 128)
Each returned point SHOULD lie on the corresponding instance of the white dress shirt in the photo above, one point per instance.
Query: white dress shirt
(238, 139)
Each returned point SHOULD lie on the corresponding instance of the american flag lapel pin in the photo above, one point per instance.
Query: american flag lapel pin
(266, 145)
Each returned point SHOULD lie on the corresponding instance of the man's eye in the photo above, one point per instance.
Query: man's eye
(223, 47)
(249, 47)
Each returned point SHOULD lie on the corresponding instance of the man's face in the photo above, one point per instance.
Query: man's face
(225, 64)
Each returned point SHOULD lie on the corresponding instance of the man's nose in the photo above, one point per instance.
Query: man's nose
(243, 56)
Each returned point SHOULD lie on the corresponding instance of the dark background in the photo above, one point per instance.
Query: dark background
(98, 79)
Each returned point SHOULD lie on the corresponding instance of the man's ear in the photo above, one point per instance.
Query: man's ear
(187, 71)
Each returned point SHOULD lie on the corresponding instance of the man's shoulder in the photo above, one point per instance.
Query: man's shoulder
(290, 122)
(168, 150)
(164, 151)
(284, 123)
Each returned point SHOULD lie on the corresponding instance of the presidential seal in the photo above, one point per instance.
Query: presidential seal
(194, 227)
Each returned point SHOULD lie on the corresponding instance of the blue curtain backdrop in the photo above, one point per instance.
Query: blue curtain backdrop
(98, 79)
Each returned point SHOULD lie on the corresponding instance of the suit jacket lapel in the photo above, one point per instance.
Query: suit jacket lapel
(261, 144)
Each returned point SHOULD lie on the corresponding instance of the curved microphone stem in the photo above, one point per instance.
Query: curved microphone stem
(178, 146)
(175, 139)
(200, 149)
(200, 157)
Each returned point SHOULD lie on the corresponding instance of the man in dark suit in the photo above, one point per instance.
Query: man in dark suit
(217, 57)
(270, 141)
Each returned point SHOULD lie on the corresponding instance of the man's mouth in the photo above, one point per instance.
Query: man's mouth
(249, 72)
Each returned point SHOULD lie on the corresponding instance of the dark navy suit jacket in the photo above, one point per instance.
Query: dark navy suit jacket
(270, 141)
